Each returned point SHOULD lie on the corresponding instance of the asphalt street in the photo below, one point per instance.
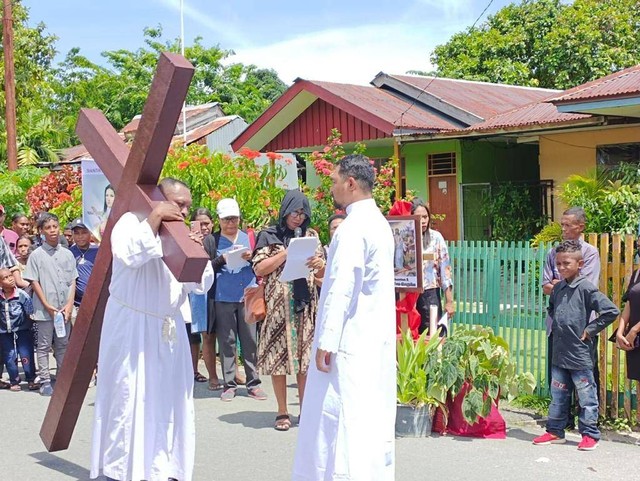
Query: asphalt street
(236, 441)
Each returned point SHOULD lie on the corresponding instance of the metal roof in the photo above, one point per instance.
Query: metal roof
(622, 84)
(539, 113)
(482, 99)
(401, 114)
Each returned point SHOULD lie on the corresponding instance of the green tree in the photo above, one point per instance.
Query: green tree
(545, 43)
(120, 88)
(39, 135)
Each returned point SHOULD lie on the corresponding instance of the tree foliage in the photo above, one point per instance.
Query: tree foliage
(545, 43)
(120, 88)
(38, 125)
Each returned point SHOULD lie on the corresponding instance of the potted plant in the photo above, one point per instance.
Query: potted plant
(477, 367)
(416, 365)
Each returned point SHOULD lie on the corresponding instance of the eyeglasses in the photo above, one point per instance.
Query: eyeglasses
(298, 215)
(230, 219)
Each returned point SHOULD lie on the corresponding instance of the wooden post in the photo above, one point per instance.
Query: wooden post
(9, 86)
(404, 316)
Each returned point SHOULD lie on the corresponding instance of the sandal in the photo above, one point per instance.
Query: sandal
(283, 422)
(4, 385)
(197, 377)
(215, 385)
(15, 388)
(33, 386)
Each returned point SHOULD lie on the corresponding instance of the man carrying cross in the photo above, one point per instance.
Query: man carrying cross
(142, 429)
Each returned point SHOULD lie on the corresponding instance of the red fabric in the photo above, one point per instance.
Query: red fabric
(400, 207)
(491, 427)
(408, 306)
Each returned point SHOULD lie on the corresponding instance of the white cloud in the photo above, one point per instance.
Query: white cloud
(225, 31)
(353, 55)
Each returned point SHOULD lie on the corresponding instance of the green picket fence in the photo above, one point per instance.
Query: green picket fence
(497, 284)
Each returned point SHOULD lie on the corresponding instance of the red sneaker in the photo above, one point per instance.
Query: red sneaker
(548, 438)
(587, 443)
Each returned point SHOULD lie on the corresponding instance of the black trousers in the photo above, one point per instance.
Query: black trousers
(425, 300)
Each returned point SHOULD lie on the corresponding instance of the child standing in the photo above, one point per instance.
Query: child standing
(570, 306)
(51, 268)
(15, 331)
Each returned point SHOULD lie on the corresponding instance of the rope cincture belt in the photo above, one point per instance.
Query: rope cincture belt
(168, 322)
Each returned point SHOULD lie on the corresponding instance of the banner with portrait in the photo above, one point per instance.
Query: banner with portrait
(407, 254)
(97, 198)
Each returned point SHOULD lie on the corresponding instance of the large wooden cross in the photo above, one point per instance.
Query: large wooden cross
(134, 175)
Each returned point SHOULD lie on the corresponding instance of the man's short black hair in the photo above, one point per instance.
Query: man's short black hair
(570, 247)
(168, 182)
(359, 167)
(46, 217)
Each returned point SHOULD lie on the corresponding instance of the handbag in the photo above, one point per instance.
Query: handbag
(255, 309)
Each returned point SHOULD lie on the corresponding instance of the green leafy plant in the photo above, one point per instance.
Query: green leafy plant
(214, 176)
(550, 233)
(512, 211)
(530, 401)
(482, 361)
(417, 363)
(323, 163)
(14, 186)
(610, 205)
(68, 206)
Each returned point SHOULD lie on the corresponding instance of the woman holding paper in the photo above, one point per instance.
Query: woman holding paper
(286, 335)
(436, 268)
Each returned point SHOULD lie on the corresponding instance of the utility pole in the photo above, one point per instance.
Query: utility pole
(9, 86)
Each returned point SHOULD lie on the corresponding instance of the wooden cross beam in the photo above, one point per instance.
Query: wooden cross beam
(134, 175)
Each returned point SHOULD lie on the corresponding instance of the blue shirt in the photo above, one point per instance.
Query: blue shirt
(15, 311)
(85, 259)
(230, 284)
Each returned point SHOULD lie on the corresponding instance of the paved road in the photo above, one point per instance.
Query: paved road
(236, 441)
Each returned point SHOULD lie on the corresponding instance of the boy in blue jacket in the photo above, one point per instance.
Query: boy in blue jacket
(15, 331)
(570, 306)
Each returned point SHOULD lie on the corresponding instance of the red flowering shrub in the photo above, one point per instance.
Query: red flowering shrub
(53, 189)
(323, 164)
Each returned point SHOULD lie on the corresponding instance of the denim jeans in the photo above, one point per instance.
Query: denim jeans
(24, 345)
(562, 384)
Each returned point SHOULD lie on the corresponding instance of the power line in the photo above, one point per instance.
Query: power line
(424, 89)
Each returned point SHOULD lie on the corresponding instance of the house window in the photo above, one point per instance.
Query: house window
(611, 156)
(441, 164)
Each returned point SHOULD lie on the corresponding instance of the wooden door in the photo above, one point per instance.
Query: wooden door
(443, 199)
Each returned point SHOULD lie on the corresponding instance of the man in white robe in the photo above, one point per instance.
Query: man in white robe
(347, 422)
(144, 426)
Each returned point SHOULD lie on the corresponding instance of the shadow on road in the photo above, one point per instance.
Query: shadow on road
(63, 466)
(250, 419)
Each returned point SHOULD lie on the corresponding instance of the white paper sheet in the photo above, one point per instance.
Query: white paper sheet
(298, 252)
(235, 260)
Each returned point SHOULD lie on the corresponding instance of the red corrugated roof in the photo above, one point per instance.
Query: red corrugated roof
(539, 113)
(625, 83)
(386, 106)
(482, 99)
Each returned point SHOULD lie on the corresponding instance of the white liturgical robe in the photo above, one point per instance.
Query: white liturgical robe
(144, 426)
(347, 426)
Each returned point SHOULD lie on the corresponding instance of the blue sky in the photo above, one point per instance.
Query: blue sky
(335, 40)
